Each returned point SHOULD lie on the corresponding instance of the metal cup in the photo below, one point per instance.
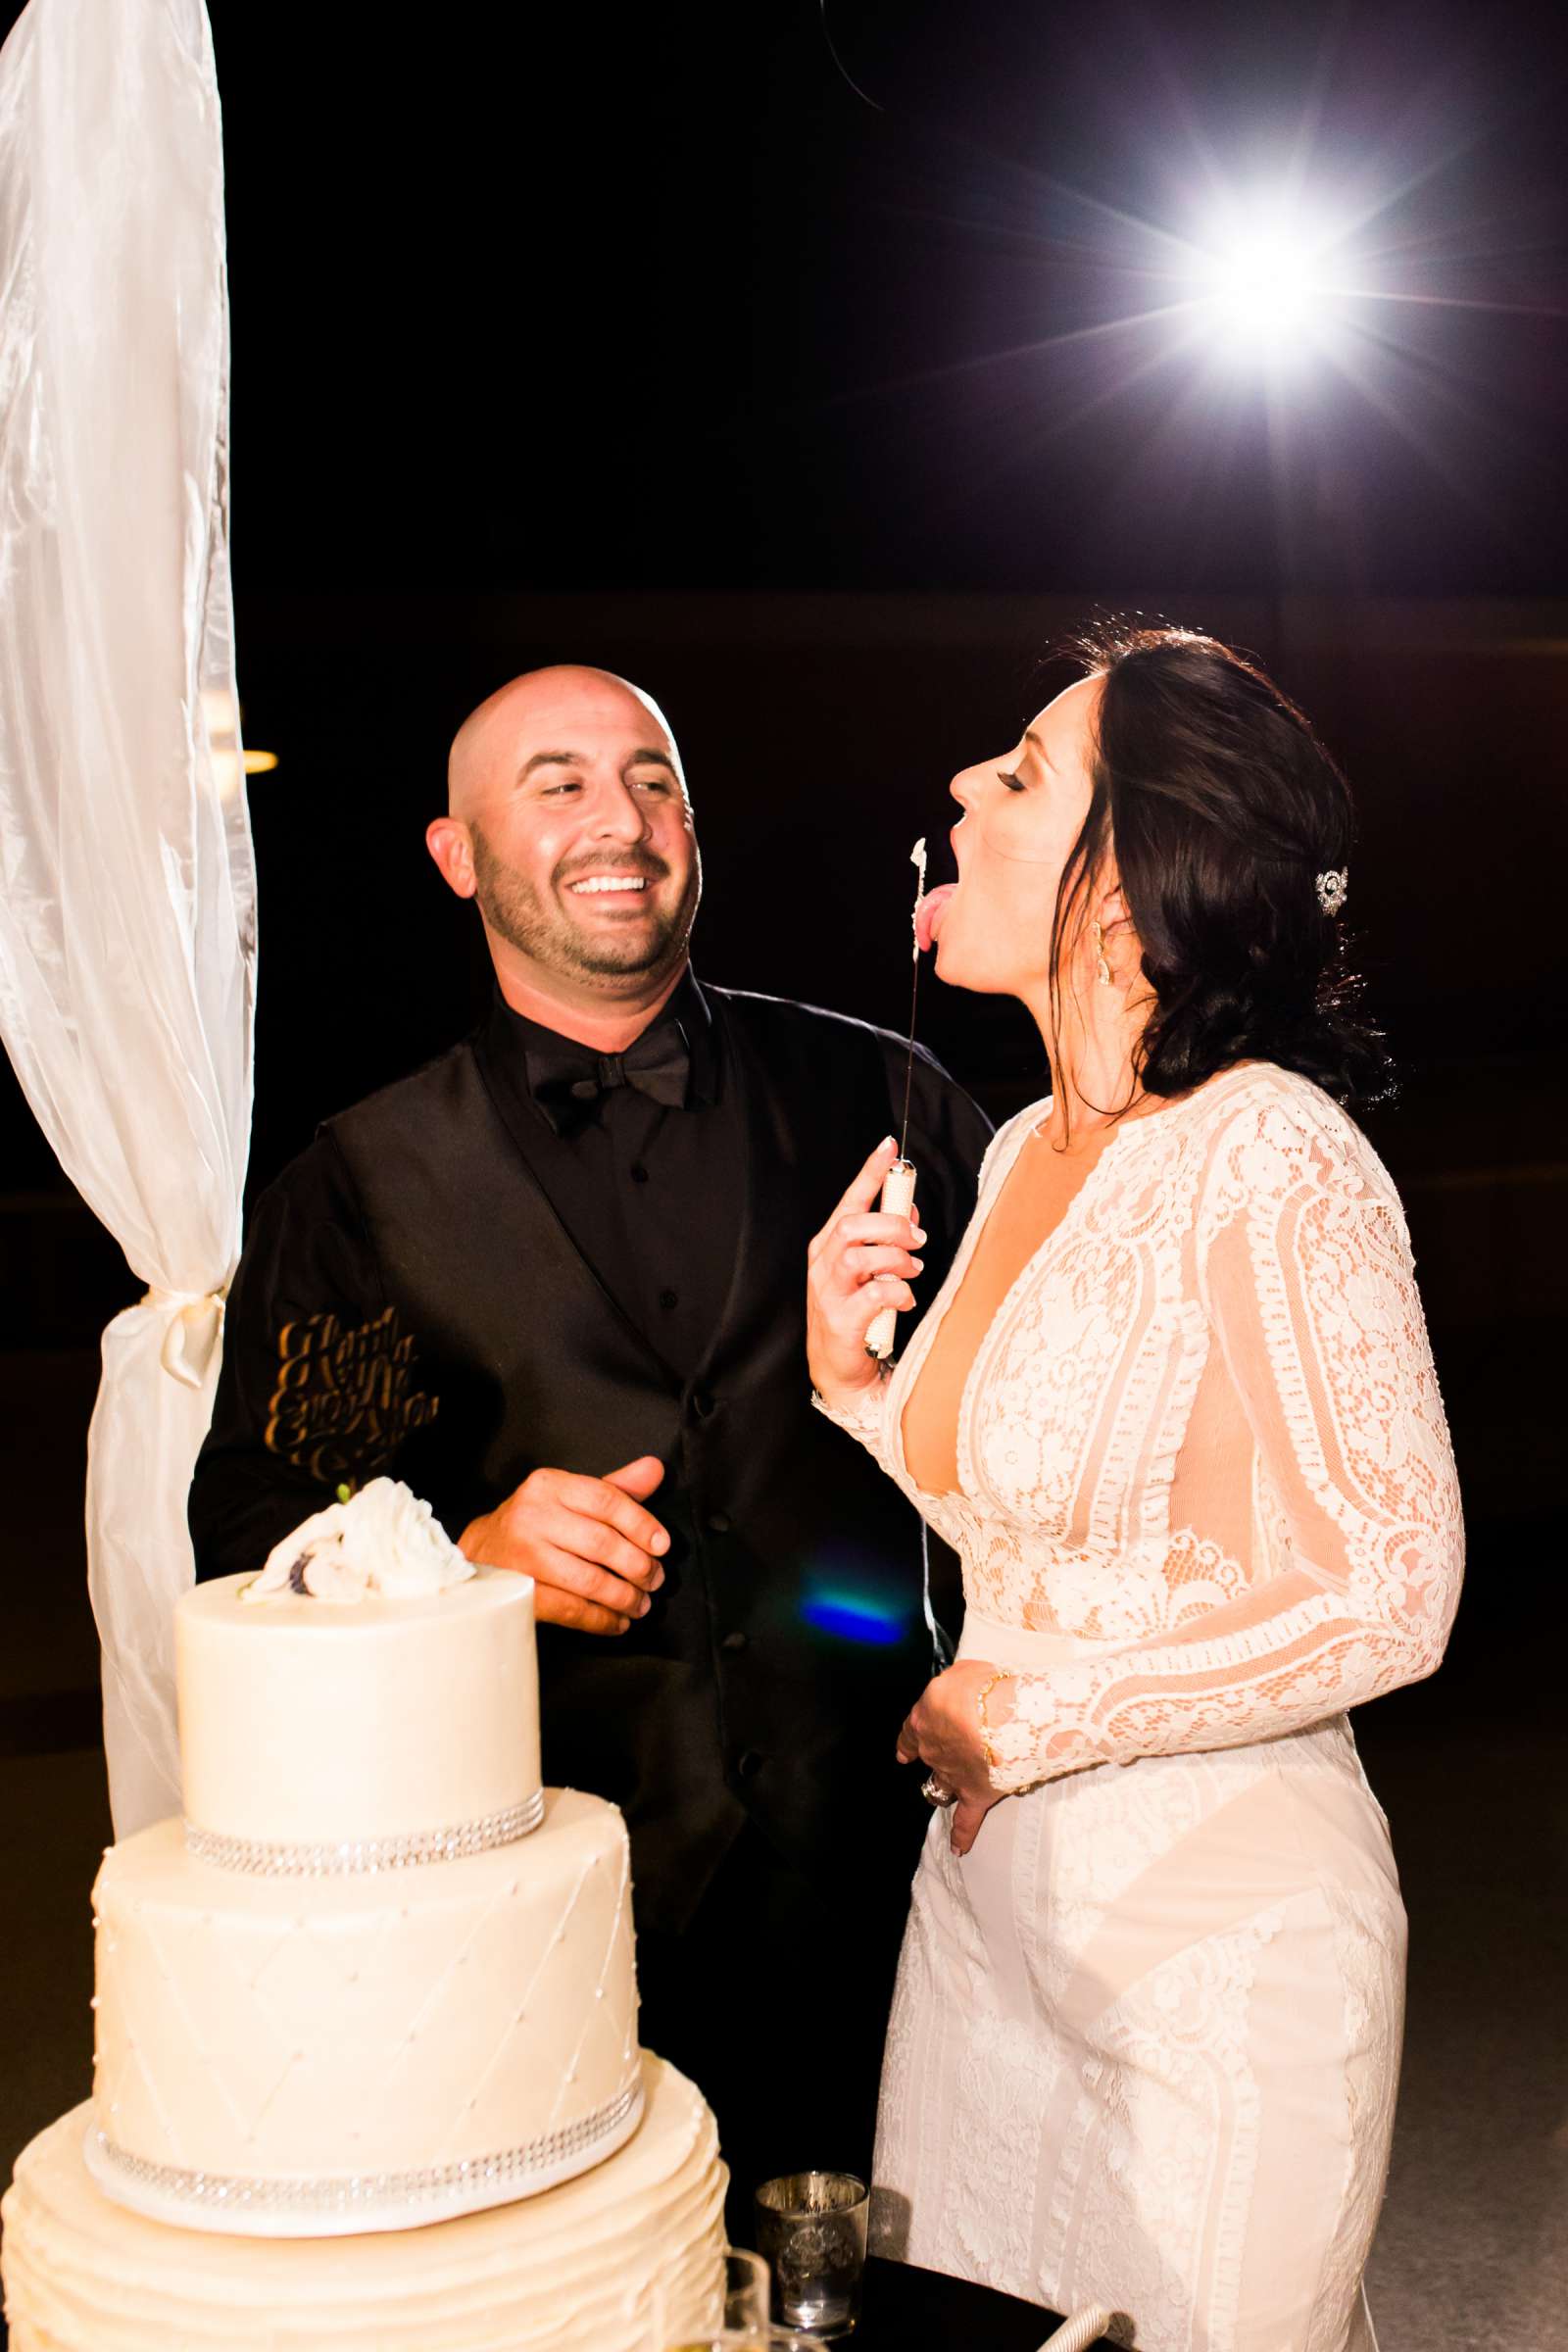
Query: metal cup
(810, 2226)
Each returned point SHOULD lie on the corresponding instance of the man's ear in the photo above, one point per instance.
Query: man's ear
(451, 845)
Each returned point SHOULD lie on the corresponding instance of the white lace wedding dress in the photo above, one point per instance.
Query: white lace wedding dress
(1146, 2037)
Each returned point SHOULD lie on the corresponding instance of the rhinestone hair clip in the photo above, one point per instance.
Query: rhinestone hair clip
(1333, 888)
(356, 1855)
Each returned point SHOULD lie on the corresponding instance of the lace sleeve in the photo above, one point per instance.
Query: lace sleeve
(1304, 1272)
(863, 1418)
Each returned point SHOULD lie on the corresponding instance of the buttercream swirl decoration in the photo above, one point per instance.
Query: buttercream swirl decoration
(381, 1541)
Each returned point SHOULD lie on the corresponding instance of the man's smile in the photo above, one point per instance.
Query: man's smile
(607, 885)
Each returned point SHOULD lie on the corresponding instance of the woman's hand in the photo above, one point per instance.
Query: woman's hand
(858, 1263)
(942, 1731)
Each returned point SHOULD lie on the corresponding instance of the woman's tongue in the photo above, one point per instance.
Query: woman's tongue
(928, 914)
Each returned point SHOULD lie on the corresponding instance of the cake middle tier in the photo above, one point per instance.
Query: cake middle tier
(312, 2056)
(396, 1726)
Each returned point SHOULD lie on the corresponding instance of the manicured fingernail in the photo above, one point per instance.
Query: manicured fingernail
(644, 1605)
(919, 1236)
(661, 1542)
(655, 1580)
(918, 1265)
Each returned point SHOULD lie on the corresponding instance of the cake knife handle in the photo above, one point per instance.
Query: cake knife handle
(898, 1198)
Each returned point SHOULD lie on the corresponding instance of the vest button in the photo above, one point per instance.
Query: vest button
(733, 1642)
(749, 1765)
(719, 1523)
(639, 1174)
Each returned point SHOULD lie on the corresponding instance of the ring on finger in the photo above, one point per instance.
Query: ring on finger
(934, 1793)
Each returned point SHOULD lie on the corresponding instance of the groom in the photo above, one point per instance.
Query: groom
(554, 1279)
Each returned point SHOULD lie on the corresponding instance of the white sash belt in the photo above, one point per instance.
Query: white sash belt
(1023, 1648)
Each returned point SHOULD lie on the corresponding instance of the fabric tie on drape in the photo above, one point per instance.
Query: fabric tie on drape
(127, 917)
(195, 1327)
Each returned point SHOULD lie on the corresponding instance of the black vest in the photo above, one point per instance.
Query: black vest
(770, 1677)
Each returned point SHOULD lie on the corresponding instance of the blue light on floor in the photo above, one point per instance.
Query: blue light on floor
(852, 1619)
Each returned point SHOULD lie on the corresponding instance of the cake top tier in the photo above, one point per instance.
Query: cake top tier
(398, 1725)
(285, 1615)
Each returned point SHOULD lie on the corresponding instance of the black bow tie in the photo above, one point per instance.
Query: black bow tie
(566, 1081)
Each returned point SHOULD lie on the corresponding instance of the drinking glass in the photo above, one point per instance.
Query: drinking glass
(746, 2324)
(752, 2339)
(812, 2229)
(746, 2290)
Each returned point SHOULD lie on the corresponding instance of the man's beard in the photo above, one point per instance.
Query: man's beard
(516, 912)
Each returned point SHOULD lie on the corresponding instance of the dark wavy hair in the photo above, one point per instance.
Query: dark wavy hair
(1217, 808)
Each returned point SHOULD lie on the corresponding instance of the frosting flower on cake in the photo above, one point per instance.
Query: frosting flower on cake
(382, 1542)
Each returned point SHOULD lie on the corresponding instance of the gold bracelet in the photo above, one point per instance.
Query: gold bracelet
(1003, 1674)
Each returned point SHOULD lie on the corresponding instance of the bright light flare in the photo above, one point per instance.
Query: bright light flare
(1266, 288)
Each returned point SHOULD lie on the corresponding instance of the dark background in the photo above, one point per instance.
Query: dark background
(640, 337)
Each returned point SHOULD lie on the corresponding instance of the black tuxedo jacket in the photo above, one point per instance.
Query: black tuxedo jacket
(409, 1302)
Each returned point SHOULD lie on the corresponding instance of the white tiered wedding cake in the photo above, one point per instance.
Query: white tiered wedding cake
(378, 1980)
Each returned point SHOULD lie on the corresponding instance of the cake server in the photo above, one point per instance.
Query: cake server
(898, 1186)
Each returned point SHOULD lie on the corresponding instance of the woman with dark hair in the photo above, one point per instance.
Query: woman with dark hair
(1175, 1408)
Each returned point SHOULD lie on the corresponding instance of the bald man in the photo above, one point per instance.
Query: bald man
(555, 1282)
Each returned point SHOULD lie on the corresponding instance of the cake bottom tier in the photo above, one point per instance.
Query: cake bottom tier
(622, 2259)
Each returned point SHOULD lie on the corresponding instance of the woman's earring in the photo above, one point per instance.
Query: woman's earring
(1102, 965)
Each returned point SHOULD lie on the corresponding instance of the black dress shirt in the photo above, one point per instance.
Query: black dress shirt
(624, 1174)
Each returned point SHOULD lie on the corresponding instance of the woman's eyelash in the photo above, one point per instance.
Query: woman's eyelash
(1013, 782)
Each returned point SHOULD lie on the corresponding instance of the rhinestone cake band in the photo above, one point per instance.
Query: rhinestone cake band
(365, 2201)
(356, 1854)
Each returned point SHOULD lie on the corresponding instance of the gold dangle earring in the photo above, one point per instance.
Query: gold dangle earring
(1101, 965)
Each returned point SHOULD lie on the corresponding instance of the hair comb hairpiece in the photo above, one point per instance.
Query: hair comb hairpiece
(1333, 888)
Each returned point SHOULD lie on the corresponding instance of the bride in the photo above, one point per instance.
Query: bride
(1175, 1409)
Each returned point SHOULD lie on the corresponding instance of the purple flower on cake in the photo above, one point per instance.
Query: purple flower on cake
(383, 1541)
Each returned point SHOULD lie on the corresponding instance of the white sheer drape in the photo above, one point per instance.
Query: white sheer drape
(127, 918)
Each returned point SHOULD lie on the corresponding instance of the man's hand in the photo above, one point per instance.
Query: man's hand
(942, 1731)
(589, 1546)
